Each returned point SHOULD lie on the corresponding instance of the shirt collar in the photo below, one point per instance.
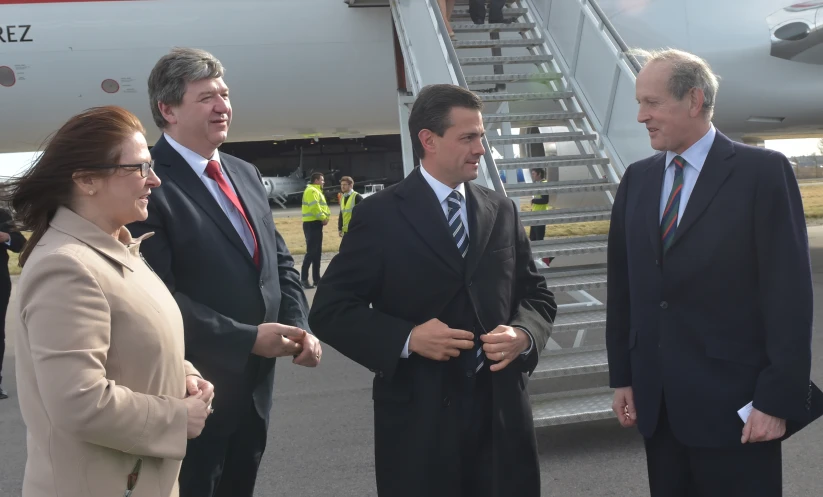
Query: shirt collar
(696, 155)
(440, 190)
(197, 162)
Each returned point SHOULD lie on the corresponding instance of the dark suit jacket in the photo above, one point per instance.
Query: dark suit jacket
(725, 316)
(399, 257)
(16, 242)
(222, 295)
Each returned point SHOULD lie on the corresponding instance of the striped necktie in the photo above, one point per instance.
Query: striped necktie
(668, 225)
(458, 231)
(461, 238)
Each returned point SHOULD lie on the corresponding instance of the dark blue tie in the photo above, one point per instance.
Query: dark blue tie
(461, 238)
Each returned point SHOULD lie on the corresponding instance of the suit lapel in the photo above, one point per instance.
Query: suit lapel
(421, 209)
(650, 202)
(715, 171)
(482, 213)
(179, 171)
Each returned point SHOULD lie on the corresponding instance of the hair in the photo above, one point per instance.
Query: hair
(92, 138)
(431, 111)
(688, 71)
(539, 172)
(316, 176)
(347, 179)
(172, 74)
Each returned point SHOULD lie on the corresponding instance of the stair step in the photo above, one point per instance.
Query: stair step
(460, 11)
(532, 118)
(513, 78)
(566, 136)
(556, 247)
(554, 187)
(504, 59)
(553, 161)
(523, 42)
(575, 278)
(580, 318)
(516, 97)
(470, 27)
(563, 216)
(569, 362)
(566, 408)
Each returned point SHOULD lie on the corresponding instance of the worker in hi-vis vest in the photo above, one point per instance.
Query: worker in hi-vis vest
(316, 214)
(348, 199)
(539, 203)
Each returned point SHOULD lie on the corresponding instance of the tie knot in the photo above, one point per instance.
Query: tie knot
(455, 196)
(213, 170)
(679, 161)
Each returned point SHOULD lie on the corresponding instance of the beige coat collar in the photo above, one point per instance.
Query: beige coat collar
(119, 250)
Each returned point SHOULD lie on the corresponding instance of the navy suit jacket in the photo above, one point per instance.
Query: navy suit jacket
(725, 316)
(222, 295)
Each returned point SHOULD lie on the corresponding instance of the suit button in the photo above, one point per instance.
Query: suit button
(471, 283)
(380, 374)
(469, 374)
(656, 262)
(261, 283)
(664, 305)
(445, 402)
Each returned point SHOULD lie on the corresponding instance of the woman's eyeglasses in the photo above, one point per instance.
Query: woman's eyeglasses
(144, 167)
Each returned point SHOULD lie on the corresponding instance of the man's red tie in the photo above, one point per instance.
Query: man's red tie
(214, 172)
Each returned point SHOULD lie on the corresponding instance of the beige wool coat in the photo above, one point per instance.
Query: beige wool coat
(100, 367)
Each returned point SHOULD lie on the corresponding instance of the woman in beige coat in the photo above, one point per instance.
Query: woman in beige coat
(106, 394)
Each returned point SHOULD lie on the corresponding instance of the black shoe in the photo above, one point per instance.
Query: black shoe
(3, 394)
(501, 21)
(307, 285)
(479, 20)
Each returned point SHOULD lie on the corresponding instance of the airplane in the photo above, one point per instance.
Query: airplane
(282, 189)
(320, 68)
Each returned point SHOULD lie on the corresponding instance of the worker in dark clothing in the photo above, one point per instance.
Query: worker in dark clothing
(540, 203)
(13, 240)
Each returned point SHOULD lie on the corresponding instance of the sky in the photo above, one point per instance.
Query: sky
(14, 164)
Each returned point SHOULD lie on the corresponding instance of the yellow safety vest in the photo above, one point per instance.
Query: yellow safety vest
(315, 207)
(346, 206)
(540, 207)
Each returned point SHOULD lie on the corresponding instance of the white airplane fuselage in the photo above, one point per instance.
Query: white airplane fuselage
(318, 68)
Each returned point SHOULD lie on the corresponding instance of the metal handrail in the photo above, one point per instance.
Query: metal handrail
(617, 38)
(461, 79)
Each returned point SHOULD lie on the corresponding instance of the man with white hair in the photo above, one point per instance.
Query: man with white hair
(710, 296)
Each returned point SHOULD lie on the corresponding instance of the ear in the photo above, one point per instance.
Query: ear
(85, 182)
(696, 98)
(168, 112)
(427, 137)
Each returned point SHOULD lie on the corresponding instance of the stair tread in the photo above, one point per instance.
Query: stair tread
(576, 407)
(594, 317)
(513, 77)
(541, 138)
(460, 11)
(570, 246)
(568, 362)
(504, 59)
(562, 216)
(523, 42)
(470, 27)
(585, 185)
(554, 161)
(512, 97)
(533, 116)
(575, 278)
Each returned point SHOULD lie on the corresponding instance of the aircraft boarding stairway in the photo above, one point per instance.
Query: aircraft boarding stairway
(532, 103)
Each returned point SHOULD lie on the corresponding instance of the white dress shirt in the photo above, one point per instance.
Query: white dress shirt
(198, 163)
(695, 157)
(442, 192)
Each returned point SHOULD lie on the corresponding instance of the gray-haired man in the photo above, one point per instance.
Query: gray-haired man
(216, 248)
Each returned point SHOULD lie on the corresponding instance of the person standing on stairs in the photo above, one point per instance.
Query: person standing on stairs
(316, 214)
(540, 203)
(436, 292)
(477, 11)
(709, 296)
(348, 200)
(10, 239)
(446, 8)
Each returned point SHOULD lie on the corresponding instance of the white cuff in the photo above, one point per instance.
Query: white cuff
(405, 353)
(531, 340)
